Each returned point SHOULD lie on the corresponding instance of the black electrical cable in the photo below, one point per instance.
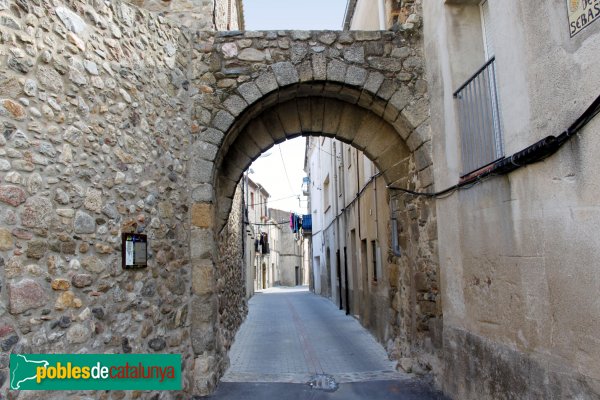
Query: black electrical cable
(532, 154)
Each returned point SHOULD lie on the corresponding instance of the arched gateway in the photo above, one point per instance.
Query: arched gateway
(362, 88)
(120, 120)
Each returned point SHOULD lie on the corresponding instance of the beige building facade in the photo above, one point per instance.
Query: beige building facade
(518, 250)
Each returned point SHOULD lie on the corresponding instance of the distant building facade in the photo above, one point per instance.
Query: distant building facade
(350, 215)
(290, 270)
(258, 238)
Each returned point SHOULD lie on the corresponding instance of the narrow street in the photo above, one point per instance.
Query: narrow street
(297, 345)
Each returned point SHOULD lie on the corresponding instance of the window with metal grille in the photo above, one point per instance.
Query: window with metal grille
(479, 111)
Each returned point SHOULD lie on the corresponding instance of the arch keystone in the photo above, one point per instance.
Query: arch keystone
(336, 71)
(319, 65)
(305, 71)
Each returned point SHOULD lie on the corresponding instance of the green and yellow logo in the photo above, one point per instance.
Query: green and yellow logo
(95, 371)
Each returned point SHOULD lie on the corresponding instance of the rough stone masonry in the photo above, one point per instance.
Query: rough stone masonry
(115, 119)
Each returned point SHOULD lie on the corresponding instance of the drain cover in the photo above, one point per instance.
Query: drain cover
(323, 382)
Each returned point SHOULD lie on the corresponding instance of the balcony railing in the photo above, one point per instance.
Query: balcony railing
(481, 130)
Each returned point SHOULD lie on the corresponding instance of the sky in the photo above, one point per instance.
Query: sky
(283, 180)
(294, 14)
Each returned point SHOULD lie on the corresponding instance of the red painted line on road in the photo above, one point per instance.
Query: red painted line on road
(310, 355)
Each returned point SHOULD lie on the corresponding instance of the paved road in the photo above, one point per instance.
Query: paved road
(292, 338)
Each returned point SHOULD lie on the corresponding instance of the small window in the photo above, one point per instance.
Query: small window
(252, 200)
(481, 136)
(374, 256)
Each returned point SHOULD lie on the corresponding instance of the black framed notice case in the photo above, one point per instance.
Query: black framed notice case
(134, 250)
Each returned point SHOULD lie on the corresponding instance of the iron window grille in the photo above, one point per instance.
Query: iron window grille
(480, 126)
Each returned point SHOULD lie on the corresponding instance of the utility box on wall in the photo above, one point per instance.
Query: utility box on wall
(134, 250)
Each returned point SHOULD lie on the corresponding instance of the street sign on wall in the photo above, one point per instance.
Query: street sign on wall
(581, 14)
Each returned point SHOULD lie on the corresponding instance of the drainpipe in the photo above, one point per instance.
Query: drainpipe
(382, 15)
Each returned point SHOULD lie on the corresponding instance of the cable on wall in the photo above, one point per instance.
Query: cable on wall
(538, 151)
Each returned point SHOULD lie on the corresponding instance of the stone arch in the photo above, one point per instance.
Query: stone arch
(262, 113)
(345, 85)
(307, 116)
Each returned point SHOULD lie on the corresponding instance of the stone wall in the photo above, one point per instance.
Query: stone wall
(517, 251)
(226, 15)
(231, 286)
(94, 136)
(414, 278)
(288, 247)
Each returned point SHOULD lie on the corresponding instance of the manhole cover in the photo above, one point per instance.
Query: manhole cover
(323, 382)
